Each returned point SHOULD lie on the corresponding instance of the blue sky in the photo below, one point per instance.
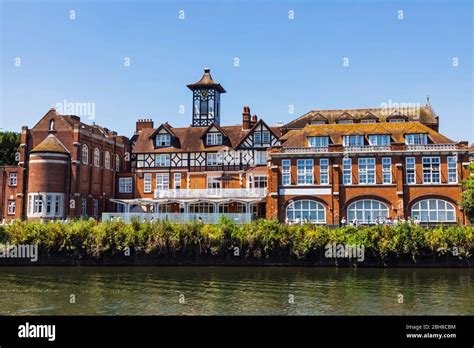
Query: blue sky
(283, 62)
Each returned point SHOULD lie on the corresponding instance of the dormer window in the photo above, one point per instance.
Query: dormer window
(317, 122)
(163, 140)
(379, 139)
(368, 121)
(214, 139)
(261, 138)
(396, 120)
(318, 141)
(353, 140)
(345, 122)
(416, 139)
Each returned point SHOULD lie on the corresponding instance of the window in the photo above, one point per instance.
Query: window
(95, 204)
(324, 171)
(433, 210)
(214, 139)
(387, 170)
(13, 179)
(84, 206)
(45, 204)
(117, 163)
(317, 122)
(162, 160)
(223, 208)
(37, 204)
(345, 122)
(259, 181)
(366, 211)
(431, 170)
(353, 140)
(96, 157)
(162, 181)
(378, 140)
(147, 182)
(203, 208)
(410, 170)
(11, 207)
(285, 172)
(366, 170)
(260, 157)
(163, 140)
(261, 138)
(177, 181)
(107, 160)
(49, 200)
(85, 154)
(416, 139)
(213, 182)
(57, 204)
(214, 159)
(305, 171)
(368, 121)
(452, 170)
(51, 125)
(311, 211)
(257, 138)
(125, 185)
(318, 141)
(396, 120)
(266, 137)
(347, 171)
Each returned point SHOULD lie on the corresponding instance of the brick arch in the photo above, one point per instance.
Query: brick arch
(374, 197)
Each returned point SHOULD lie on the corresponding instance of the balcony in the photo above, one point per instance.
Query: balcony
(234, 193)
(431, 147)
(305, 150)
(367, 148)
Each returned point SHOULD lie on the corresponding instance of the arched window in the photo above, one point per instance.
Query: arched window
(117, 163)
(51, 125)
(107, 160)
(202, 207)
(366, 211)
(434, 210)
(304, 209)
(96, 157)
(85, 154)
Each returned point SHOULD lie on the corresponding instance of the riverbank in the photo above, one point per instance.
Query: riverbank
(262, 243)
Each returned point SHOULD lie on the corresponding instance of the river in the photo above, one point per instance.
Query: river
(235, 291)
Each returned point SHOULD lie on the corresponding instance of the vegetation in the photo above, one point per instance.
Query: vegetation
(9, 143)
(467, 202)
(259, 239)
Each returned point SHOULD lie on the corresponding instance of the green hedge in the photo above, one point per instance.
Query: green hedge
(258, 239)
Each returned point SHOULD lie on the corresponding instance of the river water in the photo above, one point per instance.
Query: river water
(234, 291)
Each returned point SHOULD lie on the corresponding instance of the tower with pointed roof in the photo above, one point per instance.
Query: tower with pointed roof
(206, 100)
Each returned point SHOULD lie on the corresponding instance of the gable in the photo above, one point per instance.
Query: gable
(260, 136)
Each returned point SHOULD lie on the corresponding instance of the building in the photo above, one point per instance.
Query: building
(326, 165)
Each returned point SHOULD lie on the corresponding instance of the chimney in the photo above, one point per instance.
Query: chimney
(143, 123)
(254, 120)
(246, 118)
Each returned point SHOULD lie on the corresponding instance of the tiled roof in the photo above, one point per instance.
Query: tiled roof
(471, 149)
(297, 137)
(50, 144)
(423, 114)
(207, 81)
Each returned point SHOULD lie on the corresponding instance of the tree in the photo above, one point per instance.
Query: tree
(467, 202)
(9, 143)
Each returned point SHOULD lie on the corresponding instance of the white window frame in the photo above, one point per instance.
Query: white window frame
(305, 171)
(11, 207)
(368, 210)
(163, 140)
(212, 182)
(85, 154)
(162, 160)
(347, 171)
(324, 171)
(286, 172)
(214, 159)
(379, 139)
(95, 206)
(416, 139)
(147, 182)
(452, 163)
(386, 170)
(214, 139)
(13, 179)
(117, 163)
(177, 180)
(266, 137)
(432, 210)
(84, 207)
(367, 171)
(410, 170)
(107, 160)
(96, 157)
(319, 141)
(353, 140)
(430, 173)
(162, 181)
(125, 185)
(302, 209)
(260, 157)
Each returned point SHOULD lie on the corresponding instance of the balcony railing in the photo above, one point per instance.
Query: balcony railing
(207, 218)
(305, 149)
(431, 147)
(367, 148)
(212, 193)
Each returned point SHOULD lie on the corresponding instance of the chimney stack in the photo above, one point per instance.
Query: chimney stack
(246, 123)
(254, 121)
(143, 123)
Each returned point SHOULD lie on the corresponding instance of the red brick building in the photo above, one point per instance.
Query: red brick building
(357, 164)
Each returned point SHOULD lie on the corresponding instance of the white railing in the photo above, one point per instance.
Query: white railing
(367, 148)
(305, 149)
(207, 218)
(212, 193)
(431, 147)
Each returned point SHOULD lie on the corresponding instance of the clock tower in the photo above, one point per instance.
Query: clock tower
(206, 100)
